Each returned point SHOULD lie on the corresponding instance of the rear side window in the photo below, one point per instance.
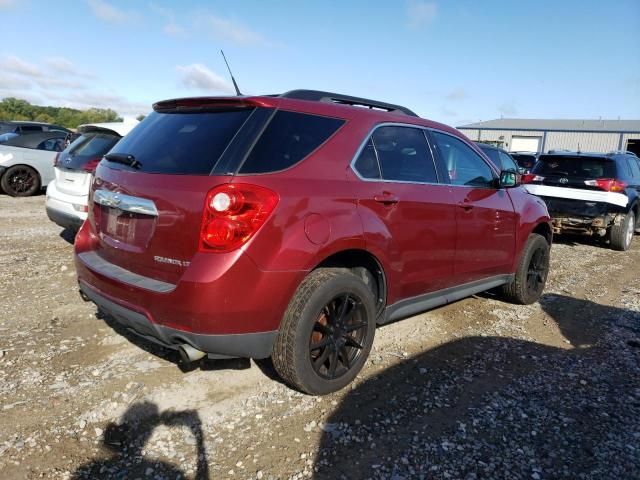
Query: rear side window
(367, 163)
(288, 139)
(579, 167)
(635, 167)
(93, 145)
(181, 143)
(52, 145)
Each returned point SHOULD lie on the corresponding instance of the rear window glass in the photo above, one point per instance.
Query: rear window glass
(492, 153)
(181, 143)
(579, 167)
(289, 138)
(93, 145)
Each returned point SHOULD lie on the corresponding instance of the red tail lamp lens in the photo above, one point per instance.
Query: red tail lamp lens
(530, 178)
(233, 214)
(91, 165)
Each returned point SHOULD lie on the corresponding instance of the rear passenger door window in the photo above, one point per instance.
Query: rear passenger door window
(399, 154)
(464, 166)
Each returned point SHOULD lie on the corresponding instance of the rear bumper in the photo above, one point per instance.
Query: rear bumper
(222, 304)
(60, 207)
(250, 345)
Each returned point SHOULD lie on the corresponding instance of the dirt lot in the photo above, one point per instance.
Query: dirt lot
(477, 389)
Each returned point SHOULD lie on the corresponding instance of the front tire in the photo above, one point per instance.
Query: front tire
(531, 276)
(621, 234)
(20, 181)
(326, 333)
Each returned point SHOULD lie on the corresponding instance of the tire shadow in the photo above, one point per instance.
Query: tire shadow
(494, 407)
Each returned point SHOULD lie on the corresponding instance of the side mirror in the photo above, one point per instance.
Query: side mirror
(509, 179)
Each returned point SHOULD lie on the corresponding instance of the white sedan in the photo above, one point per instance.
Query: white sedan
(26, 162)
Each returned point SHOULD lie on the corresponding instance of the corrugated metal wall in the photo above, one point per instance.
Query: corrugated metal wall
(588, 141)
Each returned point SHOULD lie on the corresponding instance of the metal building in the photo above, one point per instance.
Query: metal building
(531, 135)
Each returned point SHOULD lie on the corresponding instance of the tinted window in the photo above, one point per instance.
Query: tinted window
(367, 162)
(289, 137)
(52, 145)
(635, 167)
(31, 128)
(181, 143)
(465, 166)
(93, 145)
(573, 166)
(507, 162)
(404, 155)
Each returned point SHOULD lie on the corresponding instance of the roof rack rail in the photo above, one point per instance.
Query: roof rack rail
(622, 152)
(328, 97)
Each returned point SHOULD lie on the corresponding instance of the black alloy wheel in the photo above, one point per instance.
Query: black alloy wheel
(337, 338)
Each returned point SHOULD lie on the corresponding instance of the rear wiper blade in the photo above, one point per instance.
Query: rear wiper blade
(124, 158)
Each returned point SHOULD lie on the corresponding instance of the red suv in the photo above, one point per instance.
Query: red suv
(290, 226)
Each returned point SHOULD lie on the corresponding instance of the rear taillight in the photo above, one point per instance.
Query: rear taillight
(232, 214)
(91, 165)
(607, 184)
(56, 161)
(530, 178)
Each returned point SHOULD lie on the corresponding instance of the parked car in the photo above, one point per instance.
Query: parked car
(525, 160)
(22, 127)
(67, 194)
(289, 226)
(500, 158)
(590, 193)
(26, 162)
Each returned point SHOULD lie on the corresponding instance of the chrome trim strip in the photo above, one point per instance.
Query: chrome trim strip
(98, 264)
(126, 203)
(433, 155)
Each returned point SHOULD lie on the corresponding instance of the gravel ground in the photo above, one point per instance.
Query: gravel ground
(477, 389)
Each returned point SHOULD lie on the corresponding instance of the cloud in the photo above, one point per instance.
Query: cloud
(63, 66)
(508, 108)
(9, 81)
(171, 28)
(421, 13)
(8, 4)
(53, 82)
(448, 112)
(230, 30)
(14, 64)
(107, 12)
(87, 100)
(456, 94)
(198, 77)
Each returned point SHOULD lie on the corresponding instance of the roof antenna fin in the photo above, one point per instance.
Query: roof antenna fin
(235, 85)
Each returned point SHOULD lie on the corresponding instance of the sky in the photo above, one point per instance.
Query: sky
(454, 61)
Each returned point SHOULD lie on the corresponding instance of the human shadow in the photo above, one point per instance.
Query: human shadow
(126, 442)
(494, 407)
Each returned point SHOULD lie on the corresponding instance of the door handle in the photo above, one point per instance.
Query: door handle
(386, 198)
(466, 205)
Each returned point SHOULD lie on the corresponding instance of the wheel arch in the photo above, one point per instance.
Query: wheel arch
(366, 266)
(544, 229)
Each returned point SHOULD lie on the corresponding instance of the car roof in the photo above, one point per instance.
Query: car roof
(327, 107)
(17, 123)
(32, 140)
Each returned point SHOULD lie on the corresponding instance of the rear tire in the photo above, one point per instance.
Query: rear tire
(20, 181)
(326, 333)
(621, 234)
(531, 276)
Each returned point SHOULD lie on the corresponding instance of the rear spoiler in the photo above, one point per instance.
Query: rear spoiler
(210, 103)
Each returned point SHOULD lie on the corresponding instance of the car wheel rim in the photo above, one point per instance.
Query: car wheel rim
(629, 233)
(537, 272)
(337, 339)
(21, 181)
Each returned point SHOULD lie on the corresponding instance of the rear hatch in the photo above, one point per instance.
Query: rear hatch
(150, 190)
(78, 161)
(574, 184)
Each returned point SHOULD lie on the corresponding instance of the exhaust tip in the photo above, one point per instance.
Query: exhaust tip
(188, 354)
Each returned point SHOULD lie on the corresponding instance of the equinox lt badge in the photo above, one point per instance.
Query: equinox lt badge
(172, 261)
